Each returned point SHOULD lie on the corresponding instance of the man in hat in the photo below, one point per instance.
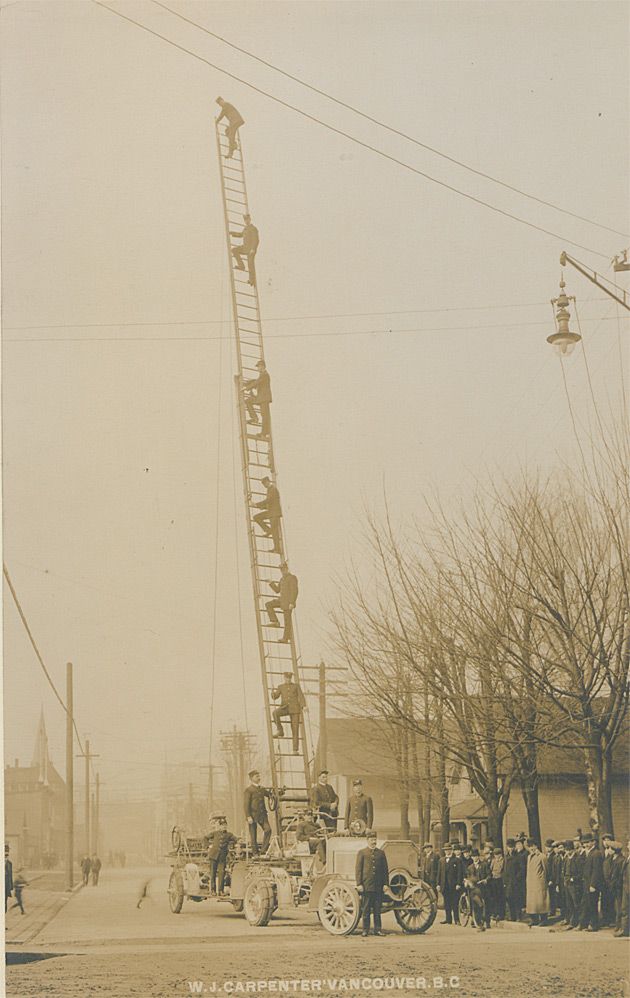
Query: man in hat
(256, 812)
(429, 865)
(608, 898)
(451, 881)
(537, 899)
(248, 248)
(234, 122)
(359, 806)
(616, 881)
(287, 589)
(520, 850)
(371, 875)
(550, 866)
(8, 875)
(477, 880)
(292, 703)
(558, 877)
(593, 881)
(510, 879)
(325, 801)
(258, 397)
(220, 841)
(270, 514)
(569, 871)
(624, 920)
(496, 887)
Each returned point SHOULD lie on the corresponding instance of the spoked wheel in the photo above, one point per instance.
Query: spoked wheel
(464, 909)
(418, 909)
(176, 892)
(339, 908)
(259, 902)
(399, 881)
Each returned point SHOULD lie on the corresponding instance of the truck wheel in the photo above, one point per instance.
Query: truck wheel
(418, 910)
(339, 908)
(176, 892)
(258, 902)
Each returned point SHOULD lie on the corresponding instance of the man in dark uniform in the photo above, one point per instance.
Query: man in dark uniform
(8, 876)
(451, 881)
(608, 898)
(258, 396)
(287, 589)
(510, 880)
(569, 871)
(520, 885)
(477, 876)
(624, 913)
(307, 830)
(371, 875)
(271, 513)
(234, 122)
(219, 842)
(325, 801)
(616, 881)
(248, 248)
(292, 703)
(593, 875)
(429, 865)
(256, 812)
(359, 806)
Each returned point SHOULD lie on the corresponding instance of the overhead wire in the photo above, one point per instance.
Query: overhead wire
(323, 334)
(289, 318)
(38, 654)
(351, 138)
(382, 124)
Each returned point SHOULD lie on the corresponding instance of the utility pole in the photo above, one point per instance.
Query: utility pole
(96, 806)
(69, 781)
(323, 741)
(87, 755)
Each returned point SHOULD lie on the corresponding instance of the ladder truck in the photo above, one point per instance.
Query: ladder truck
(287, 875)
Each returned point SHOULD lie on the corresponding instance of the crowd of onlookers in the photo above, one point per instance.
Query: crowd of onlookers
(574, 883)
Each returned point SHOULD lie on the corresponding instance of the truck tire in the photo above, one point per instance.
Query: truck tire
(259, 902)
(176, 892)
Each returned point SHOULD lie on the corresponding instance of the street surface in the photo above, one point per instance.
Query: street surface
(100, 943)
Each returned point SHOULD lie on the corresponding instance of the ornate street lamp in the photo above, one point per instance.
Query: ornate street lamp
(563, 340)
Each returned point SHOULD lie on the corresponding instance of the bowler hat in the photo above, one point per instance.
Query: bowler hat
(427, 845)
(497, 851)
(456, 845)
(510, 842)
(568, 844)
(587, 837)
(549, 842)
(475, 852)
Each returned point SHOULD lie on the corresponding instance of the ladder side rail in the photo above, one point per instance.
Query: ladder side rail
(245, 465)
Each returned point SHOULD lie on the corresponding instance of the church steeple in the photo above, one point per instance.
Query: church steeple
(40, 755)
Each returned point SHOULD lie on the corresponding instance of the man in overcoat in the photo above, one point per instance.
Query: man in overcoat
(593, 874)
(325, 801)
(429, 865)
(451, 881)
(371, 875)
(537, 900)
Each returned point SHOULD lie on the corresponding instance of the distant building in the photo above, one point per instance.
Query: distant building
(35, 808)
(363, 747)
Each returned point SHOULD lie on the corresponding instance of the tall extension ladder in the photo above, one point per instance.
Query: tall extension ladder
(290, 773)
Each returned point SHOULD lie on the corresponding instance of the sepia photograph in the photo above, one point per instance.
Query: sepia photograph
(315, 375)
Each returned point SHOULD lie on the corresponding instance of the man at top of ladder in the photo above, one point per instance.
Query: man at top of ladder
(234, 119)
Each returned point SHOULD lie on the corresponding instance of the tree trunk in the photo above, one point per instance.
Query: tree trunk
(428, 776)
(445, 810)
(529, 790)
(495, 820)
(599, 788)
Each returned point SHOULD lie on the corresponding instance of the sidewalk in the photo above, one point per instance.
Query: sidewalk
(44, 896)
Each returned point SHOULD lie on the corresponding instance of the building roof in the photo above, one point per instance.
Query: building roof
(468, 808)
(362, 747)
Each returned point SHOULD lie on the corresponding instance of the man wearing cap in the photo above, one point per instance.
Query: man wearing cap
(258, 396)
(429, 865)
(496, 888)
(451, 881)
(287, 589)
(608, 898)
(256, 812)
(571, 911)
(220, 841)
(371, 875)
(359, 806)
(234, 122)
(477, 877)
(616, 882)
(325, 801)
(271, 513)
(292, 703)
(248, 248)
(593, 875)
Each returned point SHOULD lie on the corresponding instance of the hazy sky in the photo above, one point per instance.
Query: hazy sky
(405, 325)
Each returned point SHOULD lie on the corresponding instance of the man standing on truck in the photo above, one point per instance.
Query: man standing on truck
(256, 812)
